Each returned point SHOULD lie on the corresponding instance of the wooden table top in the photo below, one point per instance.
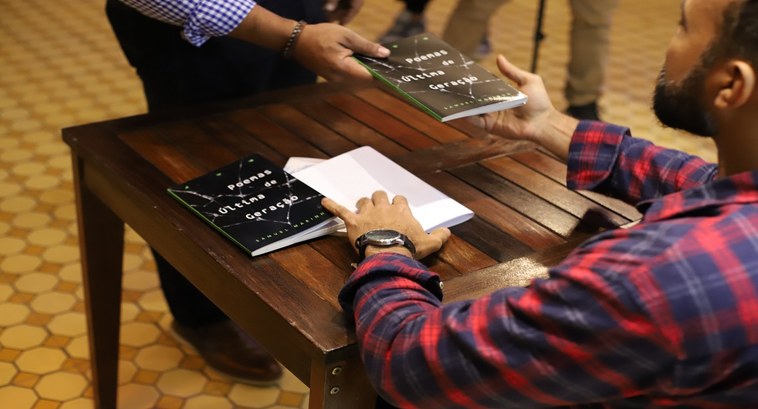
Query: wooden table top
(526, 219)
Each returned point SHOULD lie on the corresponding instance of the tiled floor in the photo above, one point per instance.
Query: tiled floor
(60, 66)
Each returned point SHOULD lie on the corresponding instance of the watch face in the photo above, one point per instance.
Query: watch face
(383, 238)
(382, 235)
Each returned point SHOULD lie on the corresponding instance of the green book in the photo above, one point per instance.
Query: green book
(257, 205)
(440, 79)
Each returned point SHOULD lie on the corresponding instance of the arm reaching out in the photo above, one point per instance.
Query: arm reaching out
(537, 121)
(325, 49)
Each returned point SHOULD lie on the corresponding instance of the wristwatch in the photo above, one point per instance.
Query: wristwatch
(383, 238)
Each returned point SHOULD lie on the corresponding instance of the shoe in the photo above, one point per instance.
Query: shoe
(584, 112)
(404, 26)
(230, 351)
(483, 49)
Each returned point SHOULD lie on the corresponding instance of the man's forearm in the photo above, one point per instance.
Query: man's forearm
(556, 134)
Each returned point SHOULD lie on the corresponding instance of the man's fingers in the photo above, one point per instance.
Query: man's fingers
(362, 202)
(338, 210)
(380, 198)
(361, 45)
(432, 242)
(400, 200)
(440, 236)
(513, 73)
(350, 69)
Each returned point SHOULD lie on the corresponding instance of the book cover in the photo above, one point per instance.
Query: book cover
(441, 80)
(256, 204)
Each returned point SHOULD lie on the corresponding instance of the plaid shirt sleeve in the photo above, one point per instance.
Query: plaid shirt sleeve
(577, 338)
(607, 159)
(639, 317)
(200, 19)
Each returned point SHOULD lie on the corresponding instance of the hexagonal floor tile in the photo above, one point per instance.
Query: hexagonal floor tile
(181, 382)
(139, 334)
(41, 360)
(253, 396)
(133, 396)
(159, 357)
(22, 336)
(61, 386)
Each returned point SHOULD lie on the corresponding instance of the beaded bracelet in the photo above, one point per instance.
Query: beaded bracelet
(294, 35)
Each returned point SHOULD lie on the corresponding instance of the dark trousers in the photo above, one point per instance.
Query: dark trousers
(177, 74)
(416, 6)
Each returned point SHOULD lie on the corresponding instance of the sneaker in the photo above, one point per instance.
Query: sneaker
(230, 351)
(483, 49)
(584, 112)
(404, 26)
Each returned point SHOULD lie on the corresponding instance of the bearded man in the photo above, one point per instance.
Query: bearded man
(662, 314)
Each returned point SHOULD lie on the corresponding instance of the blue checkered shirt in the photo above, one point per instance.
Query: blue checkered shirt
(200, 19)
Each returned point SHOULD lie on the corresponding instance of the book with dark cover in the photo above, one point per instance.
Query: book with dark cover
(262, 207)
(441, 80)
(257, 205)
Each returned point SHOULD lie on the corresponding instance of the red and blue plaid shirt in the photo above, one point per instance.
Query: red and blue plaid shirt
(663, 314)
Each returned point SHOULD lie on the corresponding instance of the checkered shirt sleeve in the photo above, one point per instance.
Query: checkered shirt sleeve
(200, 19)
(658, 315)
(644, 171)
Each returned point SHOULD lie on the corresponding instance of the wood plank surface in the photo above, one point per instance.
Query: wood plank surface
(525, 218)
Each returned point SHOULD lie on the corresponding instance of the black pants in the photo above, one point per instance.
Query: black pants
(416, 6)
(177, 74)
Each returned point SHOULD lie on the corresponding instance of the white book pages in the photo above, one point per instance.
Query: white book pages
(358, 173)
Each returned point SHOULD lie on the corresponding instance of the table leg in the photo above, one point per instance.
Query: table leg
(101, 242)
(340, 385)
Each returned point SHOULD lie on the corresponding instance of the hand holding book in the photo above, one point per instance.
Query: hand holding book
(440, 79)
(539, 121)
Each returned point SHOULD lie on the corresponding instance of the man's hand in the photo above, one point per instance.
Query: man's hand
(522, 122)
(327, 50)
(537, 121)
(378, 213)
(342, 11)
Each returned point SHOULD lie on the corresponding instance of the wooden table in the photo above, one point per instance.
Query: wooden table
(525, 219)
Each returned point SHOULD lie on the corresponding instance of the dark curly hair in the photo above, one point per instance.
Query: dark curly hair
(739, 33)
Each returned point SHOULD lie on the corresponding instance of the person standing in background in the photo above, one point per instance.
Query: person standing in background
(190, 52)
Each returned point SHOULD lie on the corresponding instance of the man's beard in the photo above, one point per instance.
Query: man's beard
(678, 105)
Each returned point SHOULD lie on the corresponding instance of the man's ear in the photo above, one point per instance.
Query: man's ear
(735, 82)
